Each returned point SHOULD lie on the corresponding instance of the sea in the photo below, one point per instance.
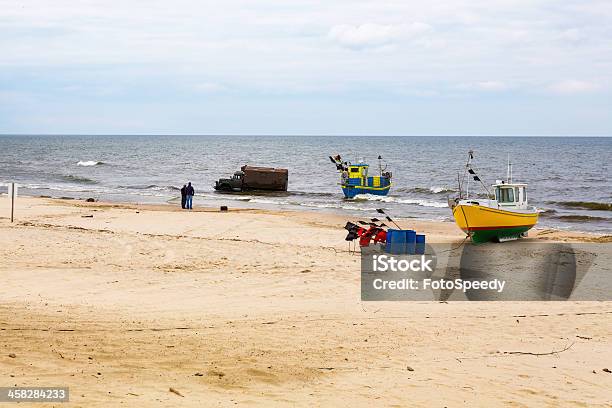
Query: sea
(569, 178)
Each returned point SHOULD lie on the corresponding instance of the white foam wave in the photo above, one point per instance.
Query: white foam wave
(437, 190)
(88, 163)
(152, 187)
(391, 199)
(225, 197)
(87, 190)
(424, 203)
(264, 201)
(338, 206)
(34, 186)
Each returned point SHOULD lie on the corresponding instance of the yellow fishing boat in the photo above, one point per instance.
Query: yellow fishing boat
(502, 216)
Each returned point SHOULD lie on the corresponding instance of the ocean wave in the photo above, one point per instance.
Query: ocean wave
(56, 187)
(313, 194)
(93, 189)
(425, 203)
(246, 196)
(581, 218)
(79, 179)
(88, 163)
(339, 206)
(440, 190)
(588, 205)
(546, 212)
(225, 196)
(153, 187)
(392, 199)
(427, 190)
(265, 201)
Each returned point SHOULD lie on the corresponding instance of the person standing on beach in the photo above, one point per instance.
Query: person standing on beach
(190, 193)
(183, 196)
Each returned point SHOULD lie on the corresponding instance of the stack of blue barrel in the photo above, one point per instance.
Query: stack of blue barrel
(405, 242)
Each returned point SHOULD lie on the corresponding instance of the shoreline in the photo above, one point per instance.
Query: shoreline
(540, 231)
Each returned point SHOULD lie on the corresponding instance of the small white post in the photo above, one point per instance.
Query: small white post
(12, 193)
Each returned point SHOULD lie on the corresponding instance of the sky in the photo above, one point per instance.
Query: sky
(335, 67)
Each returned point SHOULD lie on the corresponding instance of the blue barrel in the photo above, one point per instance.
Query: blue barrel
(396, 241)
(420, 244)
(390, 235)
(410, 242)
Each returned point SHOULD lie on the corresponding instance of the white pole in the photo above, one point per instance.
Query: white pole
(12, 200)
(508, 170)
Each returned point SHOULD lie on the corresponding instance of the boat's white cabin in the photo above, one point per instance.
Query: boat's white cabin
(511, 195)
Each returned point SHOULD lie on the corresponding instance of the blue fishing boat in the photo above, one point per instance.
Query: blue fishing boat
(355, 178)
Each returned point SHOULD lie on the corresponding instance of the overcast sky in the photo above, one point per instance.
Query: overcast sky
(437, 67)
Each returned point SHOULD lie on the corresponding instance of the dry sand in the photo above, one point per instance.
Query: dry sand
(259, 308)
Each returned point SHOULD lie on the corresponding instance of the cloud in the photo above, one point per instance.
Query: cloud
(209, 87)
(488, 86)
(573, 87)
(492, 86)
(361, 55)
(572, 35)
(370, 35)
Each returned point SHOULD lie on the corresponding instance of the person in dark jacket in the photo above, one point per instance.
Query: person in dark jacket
(183, 195)
(190, 193)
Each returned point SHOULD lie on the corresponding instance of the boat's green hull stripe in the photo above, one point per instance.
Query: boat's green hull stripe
(481, 236)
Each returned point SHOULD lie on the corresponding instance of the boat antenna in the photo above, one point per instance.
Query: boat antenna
(508, 171)
(510, 181)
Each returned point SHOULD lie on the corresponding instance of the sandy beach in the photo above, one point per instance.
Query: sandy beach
(138, 305)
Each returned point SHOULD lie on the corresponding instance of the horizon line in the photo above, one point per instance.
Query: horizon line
(288, 135)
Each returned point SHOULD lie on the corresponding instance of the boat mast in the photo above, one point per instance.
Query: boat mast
(509, 171)
(459, 185)
(467, 167)
(470, 170)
